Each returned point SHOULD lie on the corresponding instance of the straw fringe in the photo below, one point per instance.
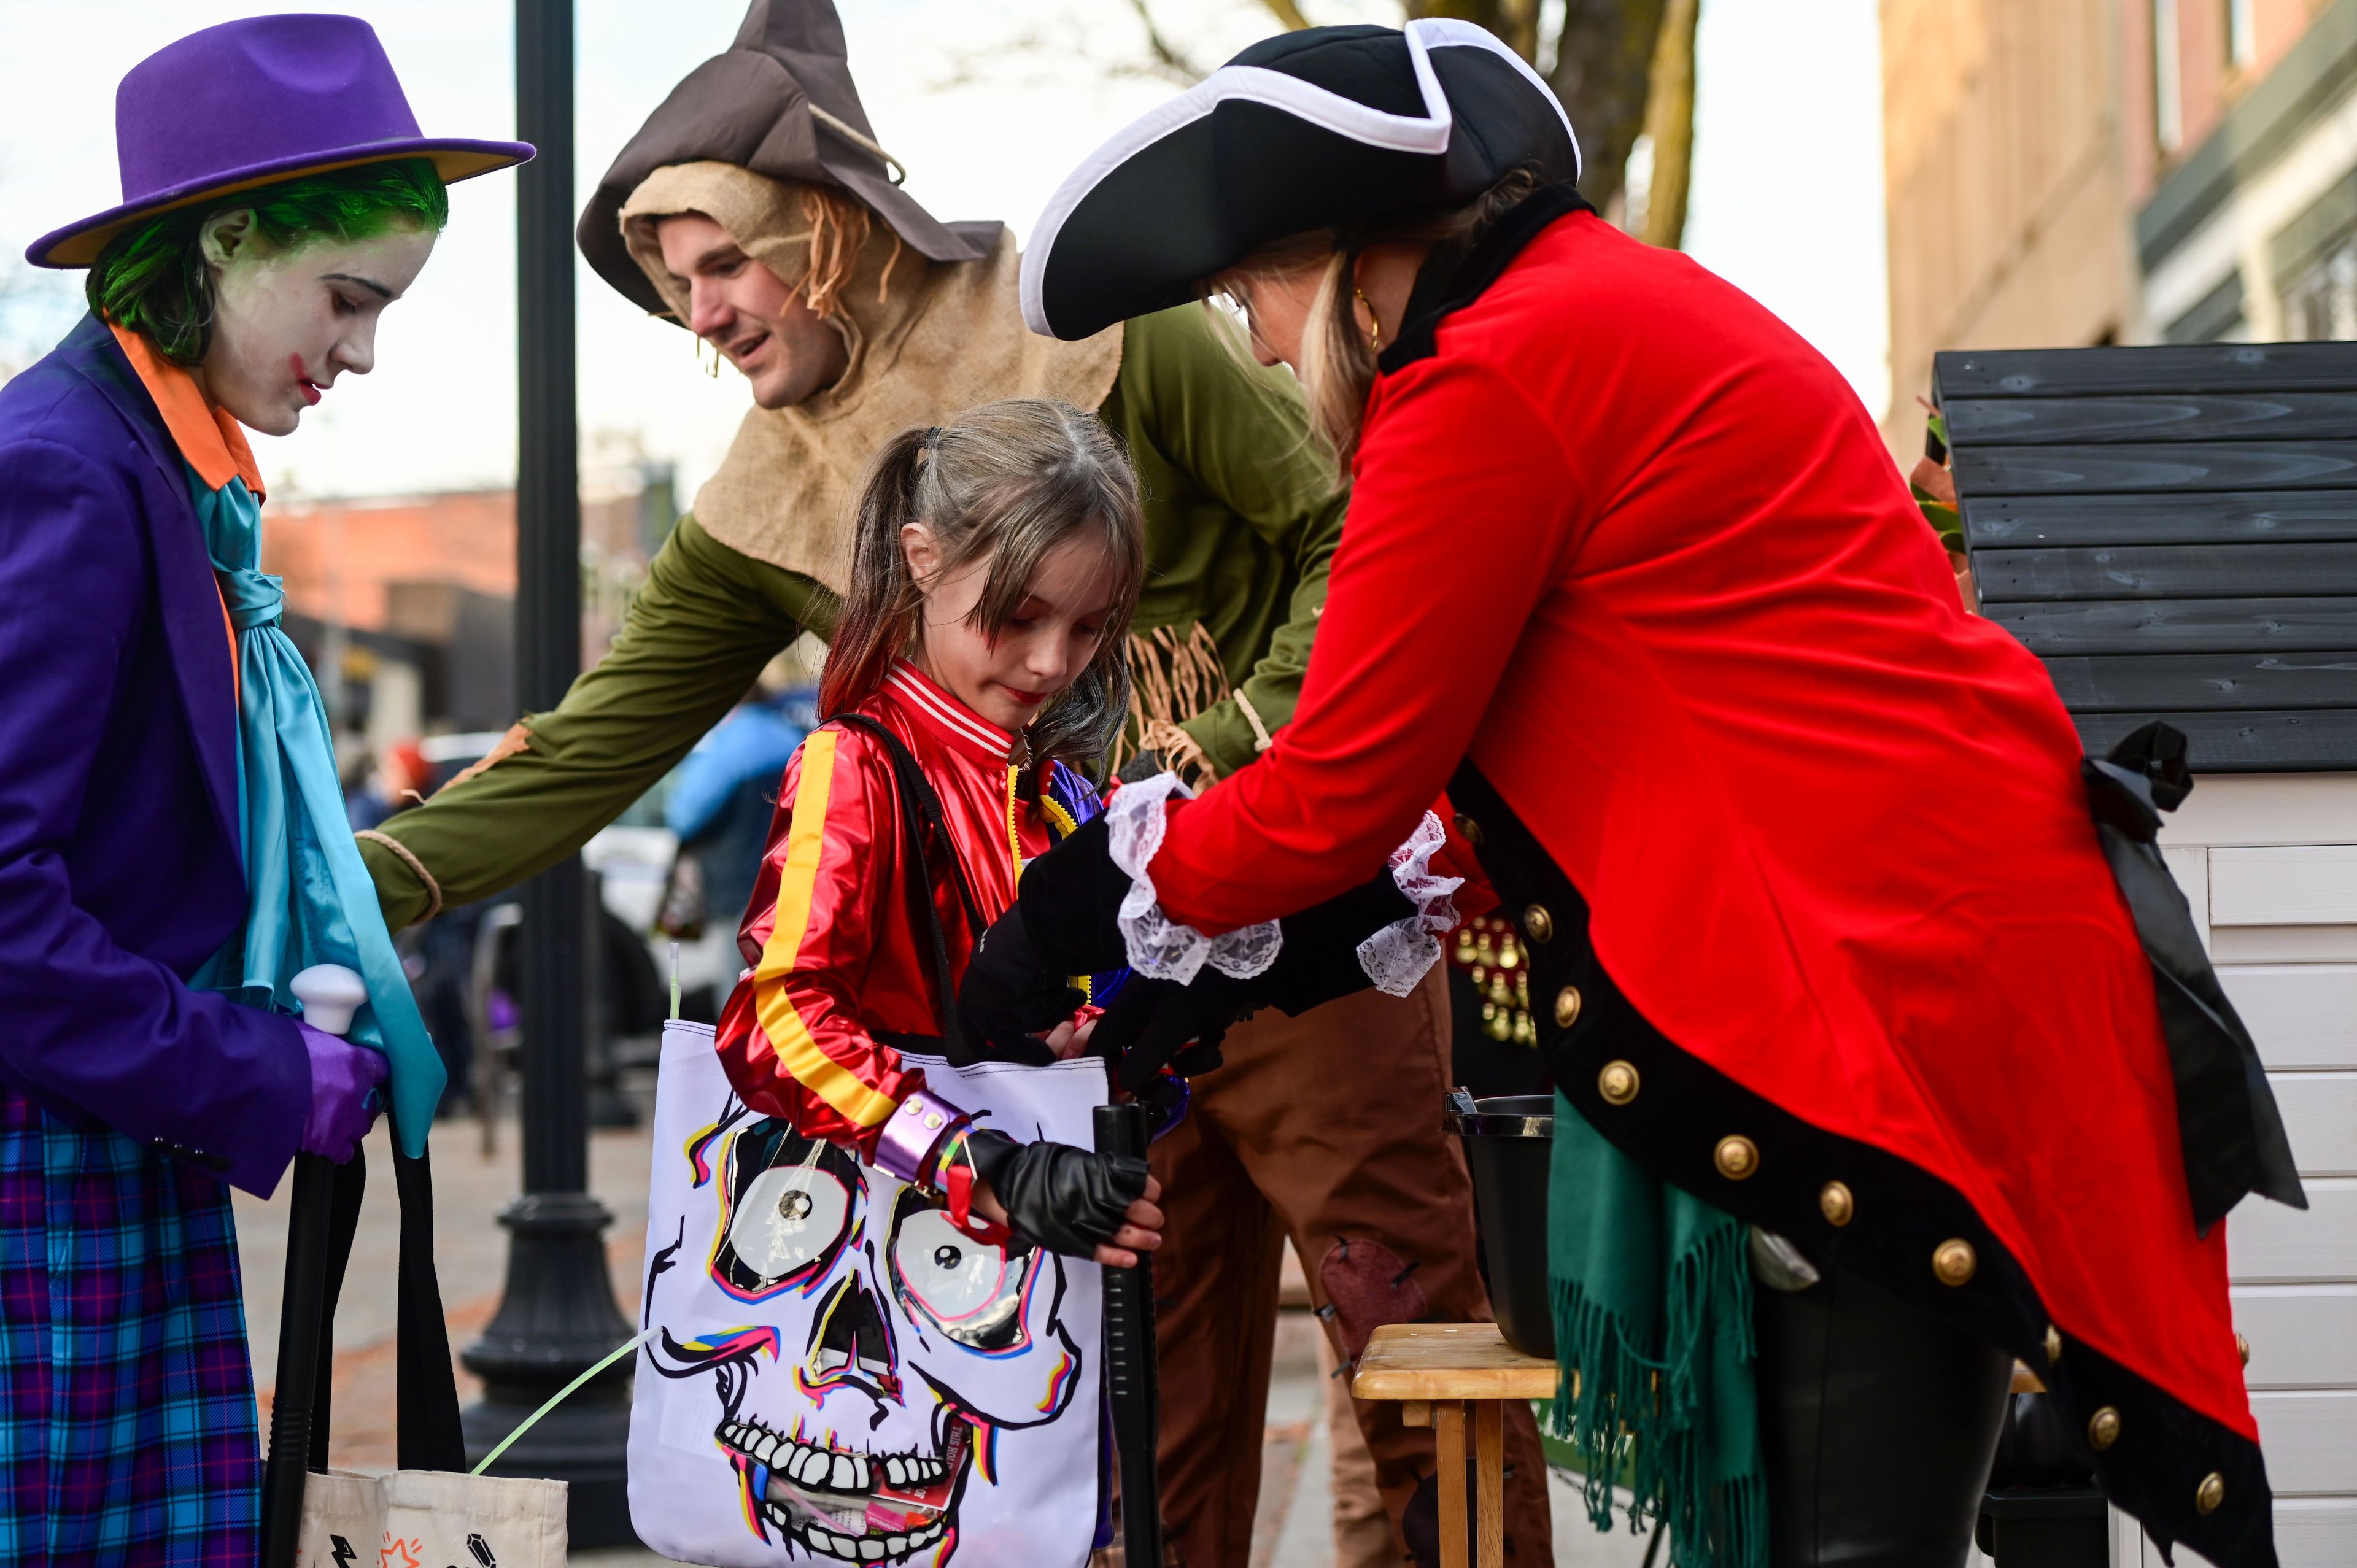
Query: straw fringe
(1172, 679)
(1621, 1409)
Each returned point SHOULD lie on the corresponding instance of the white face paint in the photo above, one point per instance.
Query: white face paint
(287, 324)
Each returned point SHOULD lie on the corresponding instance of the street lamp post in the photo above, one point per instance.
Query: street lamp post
(557, 1316)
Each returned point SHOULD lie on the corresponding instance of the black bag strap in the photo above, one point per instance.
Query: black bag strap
(426, 1390)
(920, 811)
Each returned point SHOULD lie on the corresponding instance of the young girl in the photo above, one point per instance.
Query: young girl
(996, 564)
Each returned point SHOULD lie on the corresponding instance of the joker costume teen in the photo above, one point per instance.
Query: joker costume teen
(172, 849)
(1821, 929)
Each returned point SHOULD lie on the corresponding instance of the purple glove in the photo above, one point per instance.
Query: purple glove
(344, 1100)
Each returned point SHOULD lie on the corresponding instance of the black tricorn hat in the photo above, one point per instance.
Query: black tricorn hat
(1323, 128)
(780, 102)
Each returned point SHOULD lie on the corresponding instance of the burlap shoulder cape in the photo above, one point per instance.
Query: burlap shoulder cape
(927, 340)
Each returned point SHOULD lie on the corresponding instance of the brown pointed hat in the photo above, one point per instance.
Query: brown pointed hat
(781, 103)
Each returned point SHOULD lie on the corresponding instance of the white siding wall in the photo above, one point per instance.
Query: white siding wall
(2269, 864)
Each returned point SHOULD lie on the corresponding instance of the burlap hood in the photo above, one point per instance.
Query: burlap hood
(927, 340)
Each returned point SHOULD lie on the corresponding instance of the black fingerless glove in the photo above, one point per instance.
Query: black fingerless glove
(1064, 1199)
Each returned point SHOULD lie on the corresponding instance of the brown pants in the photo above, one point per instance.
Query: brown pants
(1326, 1129)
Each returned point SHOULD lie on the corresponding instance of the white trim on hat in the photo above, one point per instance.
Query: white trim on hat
(1428, 134)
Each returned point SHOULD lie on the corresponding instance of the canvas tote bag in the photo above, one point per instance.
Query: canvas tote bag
(836, 1373)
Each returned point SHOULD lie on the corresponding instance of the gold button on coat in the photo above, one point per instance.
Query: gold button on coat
(1538, 923)
(2102, 1429)
(1737, 1157)
(1566, 1007)
(1468, 829)
(2053, 1345)
(2210, 1493)
(1953, 1262)
(1836, 1203)
(1617, 1082)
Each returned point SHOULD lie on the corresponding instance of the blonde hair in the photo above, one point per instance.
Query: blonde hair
(1338, 362)
(1007, 483)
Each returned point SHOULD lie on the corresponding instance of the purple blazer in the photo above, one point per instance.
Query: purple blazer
(121, 871)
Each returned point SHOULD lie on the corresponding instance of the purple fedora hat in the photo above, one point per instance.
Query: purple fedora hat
(252, 102)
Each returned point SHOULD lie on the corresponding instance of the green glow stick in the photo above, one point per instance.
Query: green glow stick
(561, 1396)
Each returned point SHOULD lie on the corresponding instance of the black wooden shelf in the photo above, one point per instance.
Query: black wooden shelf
(2174, 532)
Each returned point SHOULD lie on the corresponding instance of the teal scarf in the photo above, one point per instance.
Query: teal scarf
(1651, 1291)
(309, 896)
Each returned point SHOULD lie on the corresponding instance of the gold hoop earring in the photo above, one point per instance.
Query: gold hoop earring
(1375, 324)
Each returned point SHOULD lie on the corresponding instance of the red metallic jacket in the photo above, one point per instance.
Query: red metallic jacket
(838, 956)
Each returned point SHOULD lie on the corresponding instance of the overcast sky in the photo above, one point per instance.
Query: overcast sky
(988, 104)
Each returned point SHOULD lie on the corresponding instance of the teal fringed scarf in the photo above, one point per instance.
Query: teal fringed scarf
(309, 896)
(1651, 1291)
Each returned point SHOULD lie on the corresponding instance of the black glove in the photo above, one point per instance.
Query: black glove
(1063, 1199)
(1011, 995)
(1063, 923)
(1151, 1021)
(1070, 898)
(1144, 766)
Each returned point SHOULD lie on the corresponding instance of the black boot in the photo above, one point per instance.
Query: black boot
(1878, 1422)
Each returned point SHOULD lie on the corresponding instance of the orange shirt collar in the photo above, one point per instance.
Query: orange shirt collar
(212, 443)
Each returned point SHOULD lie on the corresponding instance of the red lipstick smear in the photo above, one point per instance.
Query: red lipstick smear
(311, 388)
(1028, 699)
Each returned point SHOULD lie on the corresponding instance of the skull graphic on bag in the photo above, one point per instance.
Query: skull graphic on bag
(841, 1374)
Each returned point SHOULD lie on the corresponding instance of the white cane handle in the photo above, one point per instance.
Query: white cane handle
(330, 995)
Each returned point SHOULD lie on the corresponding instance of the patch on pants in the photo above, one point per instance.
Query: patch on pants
(1366, 1287)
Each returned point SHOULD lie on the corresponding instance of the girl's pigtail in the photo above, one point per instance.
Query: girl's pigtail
(879, 612)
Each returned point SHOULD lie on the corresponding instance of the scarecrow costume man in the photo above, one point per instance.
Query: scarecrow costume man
(1883, 1043)
(769, 140)
(172, 846)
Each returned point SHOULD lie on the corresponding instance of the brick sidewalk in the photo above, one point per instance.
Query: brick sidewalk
(470, 1254)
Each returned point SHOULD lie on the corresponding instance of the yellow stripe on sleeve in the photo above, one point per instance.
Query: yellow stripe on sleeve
(790, 1037)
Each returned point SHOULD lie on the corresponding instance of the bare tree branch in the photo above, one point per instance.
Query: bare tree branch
(1669, 120)
(1601, 74)
(1286, 12)
(1169, 60)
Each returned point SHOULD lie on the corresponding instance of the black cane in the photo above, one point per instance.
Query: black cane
(301, 1321)
(1129, 1364)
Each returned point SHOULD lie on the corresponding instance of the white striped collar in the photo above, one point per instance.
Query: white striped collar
(944, 713)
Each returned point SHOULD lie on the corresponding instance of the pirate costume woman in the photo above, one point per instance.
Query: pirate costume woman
(173, 850)
(1821, 933)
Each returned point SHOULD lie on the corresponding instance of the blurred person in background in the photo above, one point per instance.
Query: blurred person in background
(397, 781)
(720, 803)
(173, 842)
(756, 209)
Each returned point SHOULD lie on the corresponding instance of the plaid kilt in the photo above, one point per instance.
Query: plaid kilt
(127, 1435)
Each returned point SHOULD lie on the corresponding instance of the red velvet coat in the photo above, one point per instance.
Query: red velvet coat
(1624, 541)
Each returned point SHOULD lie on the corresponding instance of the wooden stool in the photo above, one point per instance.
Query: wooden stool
(1437, 1370)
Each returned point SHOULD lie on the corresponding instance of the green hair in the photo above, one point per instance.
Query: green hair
(152, 278)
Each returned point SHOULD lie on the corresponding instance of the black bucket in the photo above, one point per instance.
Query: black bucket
(1507, 1139)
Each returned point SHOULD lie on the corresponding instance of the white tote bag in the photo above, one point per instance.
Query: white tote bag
(835, 1372)
(431, 1518)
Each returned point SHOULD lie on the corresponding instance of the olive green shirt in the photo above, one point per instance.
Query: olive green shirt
(1242, 518)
